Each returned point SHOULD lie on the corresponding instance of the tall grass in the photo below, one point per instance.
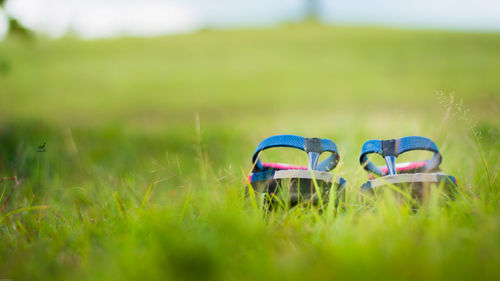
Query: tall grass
(132, 187)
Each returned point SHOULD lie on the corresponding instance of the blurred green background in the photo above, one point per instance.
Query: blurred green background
(245, 85)
(148, 141)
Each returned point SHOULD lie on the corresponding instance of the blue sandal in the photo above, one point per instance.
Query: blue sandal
(296, 182)
(419, 176)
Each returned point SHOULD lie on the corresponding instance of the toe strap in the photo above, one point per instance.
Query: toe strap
(396, 147)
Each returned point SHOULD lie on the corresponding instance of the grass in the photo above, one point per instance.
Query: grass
(149, 141)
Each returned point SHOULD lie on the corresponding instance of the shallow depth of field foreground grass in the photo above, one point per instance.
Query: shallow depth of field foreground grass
(148, 142)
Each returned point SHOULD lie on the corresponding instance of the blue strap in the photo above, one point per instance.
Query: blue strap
(262, 176)
(305, 144)
(397, 147)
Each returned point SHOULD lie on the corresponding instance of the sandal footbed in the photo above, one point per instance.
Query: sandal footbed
(298, 185)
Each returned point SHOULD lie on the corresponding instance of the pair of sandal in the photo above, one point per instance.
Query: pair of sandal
(315, 180)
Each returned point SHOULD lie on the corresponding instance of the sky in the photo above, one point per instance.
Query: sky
(110, 18)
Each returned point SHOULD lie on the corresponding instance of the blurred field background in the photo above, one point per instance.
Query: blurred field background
(148, 141)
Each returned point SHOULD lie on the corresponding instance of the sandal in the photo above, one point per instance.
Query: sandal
(419, 176)
(294, 183)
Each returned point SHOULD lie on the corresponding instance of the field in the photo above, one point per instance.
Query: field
(149, 140)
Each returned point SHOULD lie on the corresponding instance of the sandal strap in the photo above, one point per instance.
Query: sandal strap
(396, 147)
(309, 145)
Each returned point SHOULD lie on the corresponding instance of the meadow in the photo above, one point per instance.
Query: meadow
(149, 141)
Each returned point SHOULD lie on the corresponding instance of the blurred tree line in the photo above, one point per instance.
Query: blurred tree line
(14, 26)
(312, 10)
(312, 13)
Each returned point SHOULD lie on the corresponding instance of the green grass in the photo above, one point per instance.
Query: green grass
(149, 141)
